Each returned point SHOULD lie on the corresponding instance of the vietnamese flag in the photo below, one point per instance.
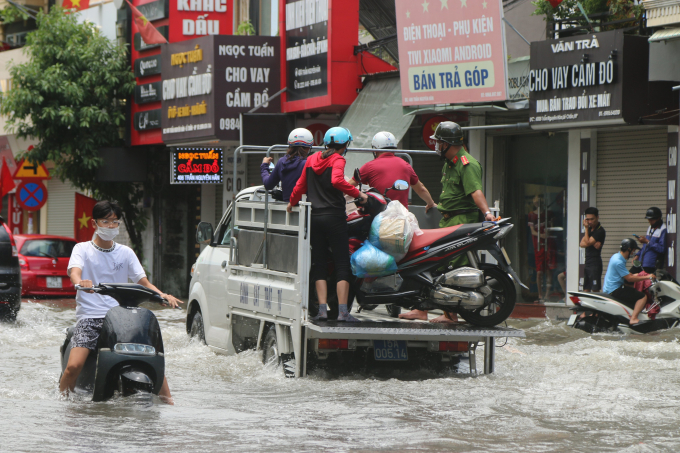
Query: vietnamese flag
(554, 3)
(149, 33)
(6, 181)
(83, 230)
(76, 4)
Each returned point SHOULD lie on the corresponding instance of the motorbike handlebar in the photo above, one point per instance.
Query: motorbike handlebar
(94, 289)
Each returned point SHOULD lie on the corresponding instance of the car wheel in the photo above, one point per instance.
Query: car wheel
(197, 330)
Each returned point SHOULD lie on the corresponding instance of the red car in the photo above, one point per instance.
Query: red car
(44, 260)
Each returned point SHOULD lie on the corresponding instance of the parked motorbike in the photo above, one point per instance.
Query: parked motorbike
(129, 355)
(601, 313)
(482, 294)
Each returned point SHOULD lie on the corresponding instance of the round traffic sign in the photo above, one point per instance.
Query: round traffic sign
(32, 195)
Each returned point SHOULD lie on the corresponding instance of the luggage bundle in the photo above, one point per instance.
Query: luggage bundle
(388, 242)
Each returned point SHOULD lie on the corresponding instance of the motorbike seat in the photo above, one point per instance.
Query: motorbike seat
(430, 236)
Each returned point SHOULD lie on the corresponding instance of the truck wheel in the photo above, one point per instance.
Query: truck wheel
(197, 330)
(393, 310)
(271, 357)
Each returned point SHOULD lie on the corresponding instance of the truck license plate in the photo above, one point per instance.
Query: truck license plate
(390, 350)
(53, 282)
(572, 320)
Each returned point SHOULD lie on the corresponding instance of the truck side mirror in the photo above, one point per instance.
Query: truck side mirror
(204, 233)
(357, 176)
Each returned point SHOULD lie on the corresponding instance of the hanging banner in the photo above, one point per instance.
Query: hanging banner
(451, 52)
(197, 166)
(16, 215)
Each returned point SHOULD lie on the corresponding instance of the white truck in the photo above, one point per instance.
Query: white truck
(250, 293)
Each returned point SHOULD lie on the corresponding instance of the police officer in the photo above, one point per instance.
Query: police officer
(461, 200)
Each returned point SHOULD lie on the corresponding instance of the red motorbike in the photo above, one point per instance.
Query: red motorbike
(483, 294)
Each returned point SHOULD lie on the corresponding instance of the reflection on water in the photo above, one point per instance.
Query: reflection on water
(557, 390)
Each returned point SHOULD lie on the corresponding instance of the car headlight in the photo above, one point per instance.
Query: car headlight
(134, 349)
(503, 232)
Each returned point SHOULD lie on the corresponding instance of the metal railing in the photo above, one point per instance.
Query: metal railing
(281, 149)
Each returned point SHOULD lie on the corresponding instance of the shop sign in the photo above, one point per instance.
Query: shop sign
(428, 129)
(16, 217)
(318, 131)
(582, 79)
(147, 120)
(149, 92)
(209, 81)
(451, 52)
(306, 49)
(148, 66)
(197, 166)
(140, 45)
(190, 19)
(154, 10)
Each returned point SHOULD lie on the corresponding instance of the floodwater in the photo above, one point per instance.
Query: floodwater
(557, 390)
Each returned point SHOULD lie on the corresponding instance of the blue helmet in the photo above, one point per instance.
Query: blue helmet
(337, 135)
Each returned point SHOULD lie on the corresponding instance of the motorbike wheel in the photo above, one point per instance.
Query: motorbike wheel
(271, 357)
(503, 297)
(197, 330)
(393, 310)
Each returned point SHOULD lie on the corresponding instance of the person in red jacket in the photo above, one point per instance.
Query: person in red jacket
(323, 180)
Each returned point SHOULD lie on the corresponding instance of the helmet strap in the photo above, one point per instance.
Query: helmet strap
(442, 156)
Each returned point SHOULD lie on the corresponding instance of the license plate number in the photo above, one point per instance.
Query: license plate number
(505, 254)
(53, 282)
(572, 320)
(390, 350)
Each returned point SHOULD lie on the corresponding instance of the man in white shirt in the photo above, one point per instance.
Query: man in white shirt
(103, 261)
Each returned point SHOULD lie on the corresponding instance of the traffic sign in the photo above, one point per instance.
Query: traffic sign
(27, 170)
(31, 195)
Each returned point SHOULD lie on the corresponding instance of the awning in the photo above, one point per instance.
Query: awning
(665, 35)
(377, 108)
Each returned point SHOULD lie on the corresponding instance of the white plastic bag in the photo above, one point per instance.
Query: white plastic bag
(392, 230)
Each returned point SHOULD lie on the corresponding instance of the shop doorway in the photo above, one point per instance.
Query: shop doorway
(536, 199)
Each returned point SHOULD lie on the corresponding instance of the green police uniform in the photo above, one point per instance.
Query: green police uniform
(460, 177)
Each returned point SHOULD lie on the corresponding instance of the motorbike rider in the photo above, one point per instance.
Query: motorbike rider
(617, 275)
(289, 168)
(654, 243)
(461, 199)
(386, 168)
(103, 261)
(323, 180)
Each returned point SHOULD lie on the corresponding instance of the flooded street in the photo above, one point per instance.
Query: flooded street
(557, 390)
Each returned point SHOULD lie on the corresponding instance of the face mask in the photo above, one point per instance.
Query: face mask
(441, 152)
(107, 234)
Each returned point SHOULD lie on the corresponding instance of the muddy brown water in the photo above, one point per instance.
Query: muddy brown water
(557, 390)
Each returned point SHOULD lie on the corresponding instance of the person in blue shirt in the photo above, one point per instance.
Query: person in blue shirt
(654, 243)
(289, 168)
(618, 275)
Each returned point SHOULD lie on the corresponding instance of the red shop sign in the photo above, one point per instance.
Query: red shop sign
(197, 166)
(194, 18)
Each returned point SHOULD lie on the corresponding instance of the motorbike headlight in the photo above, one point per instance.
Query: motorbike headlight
(134, 349)
(503, 232)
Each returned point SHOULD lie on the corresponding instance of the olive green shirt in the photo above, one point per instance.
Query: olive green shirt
(459, 180)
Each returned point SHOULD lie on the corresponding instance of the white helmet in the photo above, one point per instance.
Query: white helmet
(384, 140)
(301, 137)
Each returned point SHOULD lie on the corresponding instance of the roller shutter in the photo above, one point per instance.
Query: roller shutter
(253, 175)
(631, 177)
(61, 204)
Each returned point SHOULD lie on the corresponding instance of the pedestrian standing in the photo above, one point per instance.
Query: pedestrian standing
(461, 200)
(653, 251)
(592, 241)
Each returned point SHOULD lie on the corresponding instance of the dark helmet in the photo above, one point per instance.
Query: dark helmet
(629, 244)
(449, 132)
(653, 213)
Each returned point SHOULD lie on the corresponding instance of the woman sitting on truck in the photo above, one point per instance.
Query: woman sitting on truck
(323, 180)
(289, 168)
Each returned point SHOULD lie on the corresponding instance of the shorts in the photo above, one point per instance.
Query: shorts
(86, 333)
(627, 296)
(540, 257)
(592, 278)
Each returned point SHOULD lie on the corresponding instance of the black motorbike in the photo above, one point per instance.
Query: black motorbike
(129, 355)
